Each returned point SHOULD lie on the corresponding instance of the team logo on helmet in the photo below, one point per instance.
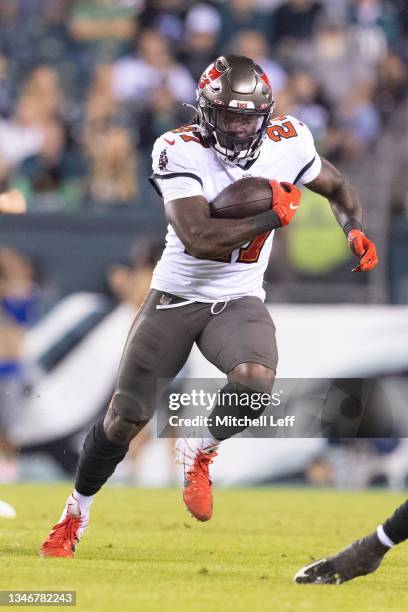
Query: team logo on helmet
(211, 74)
(265, 80)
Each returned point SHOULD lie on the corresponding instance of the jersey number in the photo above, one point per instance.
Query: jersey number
(277, 132)
(188, 137)
(251, 253)
(248, 254)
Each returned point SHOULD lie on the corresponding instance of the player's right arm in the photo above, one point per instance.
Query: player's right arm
(188, 211)
(207, 238)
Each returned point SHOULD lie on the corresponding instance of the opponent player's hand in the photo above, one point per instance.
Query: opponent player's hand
(13, 202)
(285, 200)
(364, 248)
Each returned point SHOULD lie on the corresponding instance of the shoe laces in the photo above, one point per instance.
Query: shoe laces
(199, 474)
(66, 530)
(187, 453)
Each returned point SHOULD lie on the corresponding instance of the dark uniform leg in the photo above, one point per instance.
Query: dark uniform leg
(157, 347)
(241, 342)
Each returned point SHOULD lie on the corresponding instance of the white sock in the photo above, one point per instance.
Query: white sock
(384, 539)
(209, 444)
(84, 501)
(187, 448)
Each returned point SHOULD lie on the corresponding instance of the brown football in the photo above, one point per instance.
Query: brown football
(245, 198)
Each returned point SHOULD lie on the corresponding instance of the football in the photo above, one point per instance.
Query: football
(245, 198)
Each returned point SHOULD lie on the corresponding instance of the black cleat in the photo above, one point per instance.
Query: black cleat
(360, 558)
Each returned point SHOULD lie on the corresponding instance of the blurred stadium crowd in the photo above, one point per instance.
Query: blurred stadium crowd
(87, 85)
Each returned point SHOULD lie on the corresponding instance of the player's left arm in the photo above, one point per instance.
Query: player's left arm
(347, 209)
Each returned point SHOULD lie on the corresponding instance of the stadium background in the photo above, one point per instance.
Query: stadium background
(85, 88)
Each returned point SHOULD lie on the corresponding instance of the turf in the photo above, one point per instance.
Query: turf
(143, 552)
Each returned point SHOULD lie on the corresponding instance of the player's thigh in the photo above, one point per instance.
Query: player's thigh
(157, 347)
(243, 332)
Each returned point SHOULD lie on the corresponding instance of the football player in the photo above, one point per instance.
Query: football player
(362, 557)
(208, 282)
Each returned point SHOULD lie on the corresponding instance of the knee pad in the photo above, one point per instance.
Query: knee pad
(133, 406)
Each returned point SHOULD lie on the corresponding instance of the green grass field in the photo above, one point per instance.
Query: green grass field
(143, 552)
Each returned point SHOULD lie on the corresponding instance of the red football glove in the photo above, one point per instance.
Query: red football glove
(364, 249)
(285, 200)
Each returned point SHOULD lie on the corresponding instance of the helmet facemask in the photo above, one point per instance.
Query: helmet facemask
(235, 134)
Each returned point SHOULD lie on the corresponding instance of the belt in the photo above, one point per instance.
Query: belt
(169, 300)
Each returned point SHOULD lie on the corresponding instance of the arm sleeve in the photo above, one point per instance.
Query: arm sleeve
(310, 162)
(174, 174)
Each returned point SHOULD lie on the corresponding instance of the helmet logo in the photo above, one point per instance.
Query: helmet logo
(265, 79)
(210, 75)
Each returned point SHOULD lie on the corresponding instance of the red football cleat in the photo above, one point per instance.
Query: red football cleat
(197, 492)
(65, 535)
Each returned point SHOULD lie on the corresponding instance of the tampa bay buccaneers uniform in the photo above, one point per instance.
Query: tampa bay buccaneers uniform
(184, 165)
(215, 302)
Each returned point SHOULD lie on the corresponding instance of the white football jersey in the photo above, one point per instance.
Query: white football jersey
(183, 166)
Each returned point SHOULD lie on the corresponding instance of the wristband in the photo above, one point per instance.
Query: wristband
(267, 221)
(352, 224)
